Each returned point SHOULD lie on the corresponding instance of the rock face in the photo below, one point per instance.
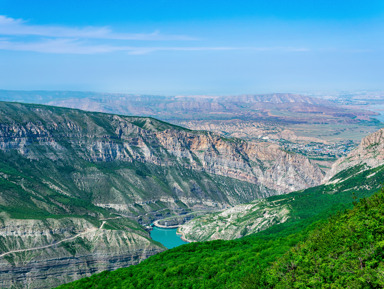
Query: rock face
(235, 222)
(369, 154)
(139, 160)
(35, 259)
(83, 182)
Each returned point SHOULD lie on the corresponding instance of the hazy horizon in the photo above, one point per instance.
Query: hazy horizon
(312, 93)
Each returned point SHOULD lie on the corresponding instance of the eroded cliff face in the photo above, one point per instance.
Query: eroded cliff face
(369, 154)
(235, 222)
(262, 163)
(45, 253)
(68, 137)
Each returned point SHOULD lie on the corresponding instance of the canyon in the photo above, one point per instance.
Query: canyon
(79, 188)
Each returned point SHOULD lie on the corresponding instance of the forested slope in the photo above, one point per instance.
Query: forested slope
(345, 252)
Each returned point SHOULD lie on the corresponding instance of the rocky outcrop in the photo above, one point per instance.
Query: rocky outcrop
(369, 154)
(138, 149)
(45, 253)
(262, 163)
(235, 222)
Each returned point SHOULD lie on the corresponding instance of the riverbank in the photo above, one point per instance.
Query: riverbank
(182, 237)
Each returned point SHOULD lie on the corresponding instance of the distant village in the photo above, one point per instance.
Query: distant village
(320, 150)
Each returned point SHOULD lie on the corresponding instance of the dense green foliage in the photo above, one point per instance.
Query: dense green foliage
(346, 252)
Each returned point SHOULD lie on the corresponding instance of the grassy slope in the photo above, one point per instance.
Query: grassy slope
(18, 190)
(241, 263)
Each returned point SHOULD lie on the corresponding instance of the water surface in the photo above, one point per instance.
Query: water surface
(167, 237)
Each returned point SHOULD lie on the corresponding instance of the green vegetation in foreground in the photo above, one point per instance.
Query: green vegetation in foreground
(216, 264)
(347, 251)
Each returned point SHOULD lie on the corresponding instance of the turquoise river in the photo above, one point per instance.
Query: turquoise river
(167, 237)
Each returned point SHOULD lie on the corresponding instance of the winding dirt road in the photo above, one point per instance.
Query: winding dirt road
(54, 244)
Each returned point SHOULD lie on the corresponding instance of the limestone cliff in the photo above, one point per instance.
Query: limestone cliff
(45, 253)
(235, 222)
(369, 154)
(117, 161)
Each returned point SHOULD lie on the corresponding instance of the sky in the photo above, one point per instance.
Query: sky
(171, 47)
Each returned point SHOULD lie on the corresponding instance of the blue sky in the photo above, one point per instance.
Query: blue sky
(192, 47)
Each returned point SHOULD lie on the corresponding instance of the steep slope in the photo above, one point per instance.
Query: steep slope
(235, 222)
(247, 219)
(369, 154)
(76, 185)
(138, 165)
(346, 252)
(46, 253)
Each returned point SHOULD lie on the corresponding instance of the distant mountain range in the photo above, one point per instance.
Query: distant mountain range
(272, 106)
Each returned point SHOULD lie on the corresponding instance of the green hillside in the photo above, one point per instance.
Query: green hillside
(313, 203)
(345, 252)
